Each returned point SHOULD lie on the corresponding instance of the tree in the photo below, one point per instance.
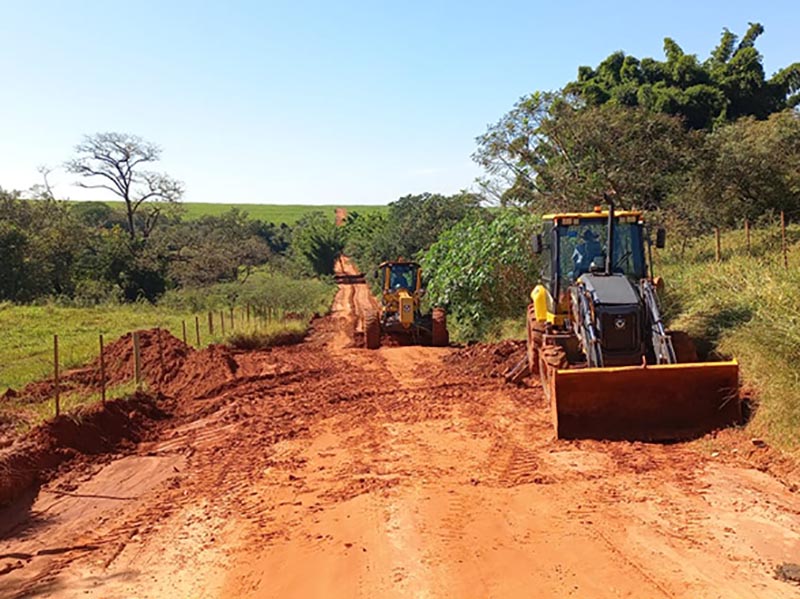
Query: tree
(407, 229)
(414, 222)
(509, 149)
(728, 85)
(553, 151)
(114, 162)
(748, 169)
(318, 240)
(214, 249)
(482, 269)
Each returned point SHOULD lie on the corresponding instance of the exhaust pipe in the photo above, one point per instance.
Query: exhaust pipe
(610, 236)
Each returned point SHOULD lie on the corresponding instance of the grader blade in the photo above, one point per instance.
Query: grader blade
(647, 403)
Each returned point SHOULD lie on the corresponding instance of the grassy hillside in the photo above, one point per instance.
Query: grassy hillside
(26, 346)
(747, 307)
(274, 213)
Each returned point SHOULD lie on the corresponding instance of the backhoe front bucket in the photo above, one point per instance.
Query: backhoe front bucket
(647, 403)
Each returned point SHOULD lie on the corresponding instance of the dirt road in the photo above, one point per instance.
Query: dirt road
(325, 470)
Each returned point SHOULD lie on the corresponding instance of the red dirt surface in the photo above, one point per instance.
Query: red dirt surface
(492, 360)
(93, 430)
(326, 470)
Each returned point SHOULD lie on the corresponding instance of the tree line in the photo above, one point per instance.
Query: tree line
(702, 143)
(697, 143)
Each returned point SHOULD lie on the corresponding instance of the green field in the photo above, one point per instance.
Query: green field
(747, 307)
(272, 213)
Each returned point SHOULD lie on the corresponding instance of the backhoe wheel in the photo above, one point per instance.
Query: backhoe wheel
(372, 330)
(535, 335)
(551, 358)
(685, 351)
(441, 338)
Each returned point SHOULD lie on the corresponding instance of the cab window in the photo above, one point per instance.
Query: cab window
(583, 248)
(403, 276)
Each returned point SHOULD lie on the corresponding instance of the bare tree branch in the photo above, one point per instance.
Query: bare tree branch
(115, 157)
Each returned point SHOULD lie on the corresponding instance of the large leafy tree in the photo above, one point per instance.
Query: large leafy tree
(482, 269)
(729, 84)
(554, 151)
(747, 170)
(319, 241)
(408, 228)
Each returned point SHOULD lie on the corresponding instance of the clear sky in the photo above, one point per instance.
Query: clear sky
(317, 102)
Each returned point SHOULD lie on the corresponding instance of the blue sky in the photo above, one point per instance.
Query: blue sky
(306, 102)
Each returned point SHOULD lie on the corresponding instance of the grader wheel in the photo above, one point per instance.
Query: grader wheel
(441, 337)
(372, 330)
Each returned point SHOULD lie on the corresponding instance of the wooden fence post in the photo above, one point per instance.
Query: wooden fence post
(137, 362)
(197, 330)
(161, 365)
(102, 372)
(222, 321)
(784, 247)
(719, 244)
(183, 326)
(233, 325)
(210, 324)
(56, 381)
(747, 234)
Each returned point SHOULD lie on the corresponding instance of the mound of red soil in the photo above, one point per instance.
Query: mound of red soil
(202, 372)
(488, 359)
(95, 429)
(162, 356)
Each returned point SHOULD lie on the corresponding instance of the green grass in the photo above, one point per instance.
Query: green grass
(748, 307)
(273, 213)
(24, 415)
(26, 346)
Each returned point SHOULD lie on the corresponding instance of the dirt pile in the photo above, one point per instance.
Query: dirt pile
(162, 357)
(202, 372)
(487, 359)
(92, 430)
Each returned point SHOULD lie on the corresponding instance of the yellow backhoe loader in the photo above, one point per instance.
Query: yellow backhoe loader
(608, 366)
(400, 312)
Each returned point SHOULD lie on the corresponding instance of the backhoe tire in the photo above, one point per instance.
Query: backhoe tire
(372, 330)
(551, 357)
(685, 351)
(440, 336)
(535, 335)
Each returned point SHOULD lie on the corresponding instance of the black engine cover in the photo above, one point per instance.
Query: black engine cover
(618, 313)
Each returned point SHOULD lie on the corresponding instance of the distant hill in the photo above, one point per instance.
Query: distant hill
(274, 213)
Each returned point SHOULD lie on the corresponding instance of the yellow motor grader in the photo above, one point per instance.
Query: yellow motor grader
(400, 312)
(607, 364)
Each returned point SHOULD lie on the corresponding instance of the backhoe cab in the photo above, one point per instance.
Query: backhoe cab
(596, 338)
(400, 314)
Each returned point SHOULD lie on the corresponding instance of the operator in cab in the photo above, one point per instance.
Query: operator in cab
(586, 252)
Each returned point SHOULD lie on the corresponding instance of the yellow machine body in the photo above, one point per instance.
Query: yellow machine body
(651, 403)
(642, 401)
